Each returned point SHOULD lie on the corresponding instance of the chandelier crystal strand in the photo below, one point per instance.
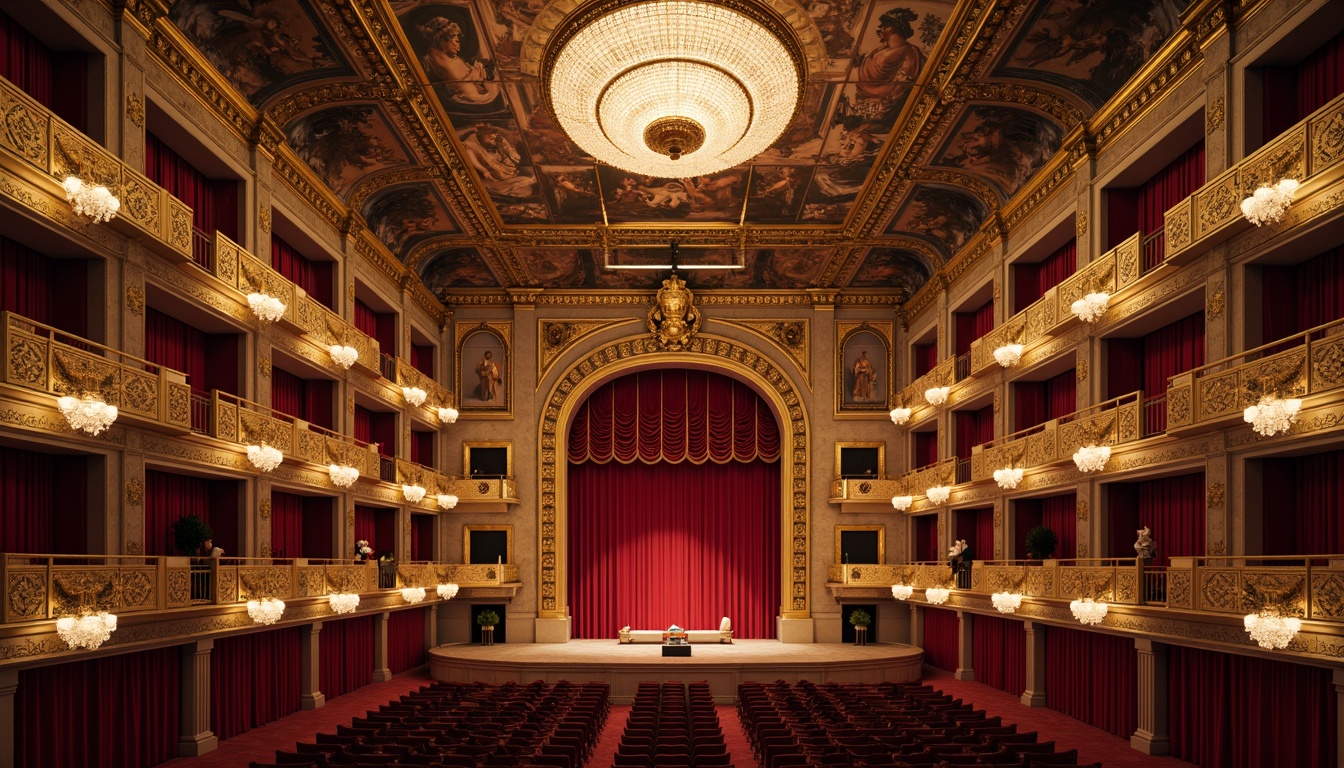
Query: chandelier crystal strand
(1270, 630)
(342, 475)
(1008, 355)
(447, 501)
(937, 595)
(265, 611)
(414, 395)
(267, 308)
(88, 413)
(936, 395)
(447, 591)
(900, 416)
(902, 591)
(1008, 477)
(1006, 602)
(674, 88)
(88, 631)
(343, 602)
(902, 503)
(1088, 611)
(413, 595)
(938, 494)
(264, 457)
(1272, 415)
(97, 202)
(1091, 307)
(1092, 458)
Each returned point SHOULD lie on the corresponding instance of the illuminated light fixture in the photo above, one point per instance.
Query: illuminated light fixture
(673, 88)
(97, 202)
(1267, 205)
(264, 457)
(1088, 611)
(413, 595)
(938, 494)
(936, 395)
(413, 493)
(902, 591)
(902, 503)
(899, 416)
(414, 395)
(1008, 355)
(342, 355)
(265, 611)
(447, 415)
(1272, 415)
(342, 475)
(88, 413)
(937, 595)
(88, 631)
(447, 591)
(1008, 477)
(343, 602)
(447, 501)
(1270, 630)
(1006, 602)
(1092, 458)
(268, 309)
(1091, 307)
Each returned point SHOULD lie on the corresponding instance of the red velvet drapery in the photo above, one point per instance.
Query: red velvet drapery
(973, 428)
(1054, 512)
(1230, 711)
(1036, 402)
(422, 448)
(1302, 296)
(346, 649)
(377, 427)
(976, 528)
(1147, 362)
(1031, 281)
(170, 496)
(999, 653)
(941, 642)
(57, 80)
(312, 276)
(422, 358)
(254, 679)
(214, 204)
(926, 449)
(378, 526)
(1093, 678)
(926, 539)
(43, 502)
(210, 360)
(116, 710)
(406, 639)
(51, 291)
(1172, 507)
(1291, 93)
(1301, 508)
(972, 325)
(382, 326)
(300, 525)
(926, 357)
(1141, 209)
(308, 399)
(422, 537)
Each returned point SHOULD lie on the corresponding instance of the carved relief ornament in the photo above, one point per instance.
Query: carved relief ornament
(673, 318)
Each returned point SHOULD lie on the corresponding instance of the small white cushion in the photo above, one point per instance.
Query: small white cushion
(725, 625)
(703, 636)
(646, 636)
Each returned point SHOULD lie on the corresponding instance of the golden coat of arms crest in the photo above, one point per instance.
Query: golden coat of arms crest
(673, 318)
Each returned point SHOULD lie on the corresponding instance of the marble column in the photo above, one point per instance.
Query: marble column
(432, 627)
(196, 737)
(310, 674)
(965, 646)
(1151, 736)
(916, 626)
(9, 688)
(1034, 695)
(381, 673)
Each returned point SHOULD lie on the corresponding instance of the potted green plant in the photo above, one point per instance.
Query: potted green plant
(860, 619)
(189, 533)
(487, 620)
(1041, 542)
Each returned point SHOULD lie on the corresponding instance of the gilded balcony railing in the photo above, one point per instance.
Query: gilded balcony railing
(46, 359)
(867, 489)
(1115, 580)
(1216, 394)
(916, 482)
(241, 421)
(921, 575)
(437, 396)
(246, 273)
(429, 575)
(433, 481)
(1213, 215)
(50, 149)
(912, 396)
(1112, 422)
(1303, 585)
(480, 489)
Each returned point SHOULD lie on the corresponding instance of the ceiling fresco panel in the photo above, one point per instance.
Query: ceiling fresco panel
(572, 194)
(404, 215)
(633, 197)
(456, 268)
(580, 268)
(344, 143)
(946, 217)
(1004, 145)
(895, 268)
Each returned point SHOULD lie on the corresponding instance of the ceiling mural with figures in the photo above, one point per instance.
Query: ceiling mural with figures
(430, 130)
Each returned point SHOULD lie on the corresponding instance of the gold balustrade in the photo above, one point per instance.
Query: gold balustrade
(1308, 586)
(866, 490)
(244, 422)
(1115, 580)
(1113, 422)
(45, 359)
(437, 396)
(433, 481)
(478, 489)
(917, 481)
(429, 575)
(912, 396)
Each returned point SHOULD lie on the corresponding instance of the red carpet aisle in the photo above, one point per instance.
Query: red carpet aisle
(604, 752)
(739, 746)
(1093, 744)
(259, 744)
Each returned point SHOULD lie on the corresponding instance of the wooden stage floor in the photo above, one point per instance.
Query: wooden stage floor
(723, 666)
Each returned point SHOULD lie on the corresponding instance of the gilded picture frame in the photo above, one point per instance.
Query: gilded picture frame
(466, 541)
(864, 369)
(483, 358)
(880, 530)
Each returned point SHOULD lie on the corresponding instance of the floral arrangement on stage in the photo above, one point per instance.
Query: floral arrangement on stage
(362, 549)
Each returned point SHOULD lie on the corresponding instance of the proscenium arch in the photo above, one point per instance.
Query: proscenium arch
(705, 352)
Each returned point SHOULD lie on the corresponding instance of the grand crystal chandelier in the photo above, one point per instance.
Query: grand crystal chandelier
(413, 493)
(1006, 602)
(673, 88)
(87, 631)
(1271, 630)
(343, 602)
(265, 611)
(938, 494)
(267, 308)
(1272, 415)
(1008, 477)
(1088, 611)
(1092, 458)
(899, 416)
(413, 595)
(1091, 307)
(1008, 355)
(902, 503)
(902, 591)
(447, 591)
(97, 202)
(264, 457)
(343, 355)
(1267, 204)
(88, 413)
(936, 395)
(937, 595)
(414, 395)
(342, 475)
(447, 501)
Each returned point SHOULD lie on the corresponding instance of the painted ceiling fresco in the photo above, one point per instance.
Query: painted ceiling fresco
(304, 62)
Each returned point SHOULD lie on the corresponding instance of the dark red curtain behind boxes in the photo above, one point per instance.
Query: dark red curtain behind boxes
(976, 527)
(1093, 678)
(319, 530)
(422, 448)
(1036, 402)
(214, 204)
(56, 79)
(406, 640)
(380, 325)
(1147, 362)
(1172, 507)
(422, 358)
(50, 291)
(378, 526)
(171, 496)
(209, 360)
(377, 427)
(1230, 711)
(674, 506)
(926, 449)
(307, 399)
(999, 653)
(346, 650)
(1302, 507)
(1054, 512)
(254, 680)
(1141, 209)
(972, 325)
(43, 502)
(926, 358)
(926, 539)
(1031, 281)
(422, 537)
(114, 711)
(941, 644)
(286, 524)
(1302, 296)
(1292, 93)
(312, 276)
(973, 428)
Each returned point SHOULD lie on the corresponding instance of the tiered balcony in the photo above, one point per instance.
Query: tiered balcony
(1215, 395)
(868, 490)
(437, 396)
(44, 359)
(244, 422)
(1212, 215)
(44, 149)
(483, 490)
(1113, 422)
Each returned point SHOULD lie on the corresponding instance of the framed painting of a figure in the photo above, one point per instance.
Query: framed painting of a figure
(485, 369)
(863, 370)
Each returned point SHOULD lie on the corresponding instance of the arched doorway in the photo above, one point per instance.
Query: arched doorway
(673, 505)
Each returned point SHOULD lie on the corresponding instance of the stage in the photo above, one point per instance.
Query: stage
(723, 666)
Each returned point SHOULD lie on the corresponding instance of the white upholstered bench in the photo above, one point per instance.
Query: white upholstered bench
(724, 634)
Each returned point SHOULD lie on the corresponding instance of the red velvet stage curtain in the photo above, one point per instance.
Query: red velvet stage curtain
(382, 326)
(346, 651)
(51, 291)
(170, 496)
(1054, 512)
(422, 537)
(973, 428)
(31, 517)
(1093, 678)
(941, 642)
(926, 358)
(1036, 402)
(37, 70)
(1303, 296)
(926, 539)
(999, 653)
(1172, 507)
(214, 204)
(254, 680)
(209, 360)
(406, 640)
(1302, 506)
(422, 448)
(976, 527)
(926, 449)
(1229, 711)
(422, 358)
(1033, 280)
(312, 276)
(1141, 209)
(1291, 93)
(111, 711)
(307, 399)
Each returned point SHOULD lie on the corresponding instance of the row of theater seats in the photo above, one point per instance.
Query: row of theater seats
(882, 725)
(467, 724)
(671, 726)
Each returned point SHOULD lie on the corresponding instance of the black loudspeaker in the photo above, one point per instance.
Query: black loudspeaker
(859, 462)
(489, 462)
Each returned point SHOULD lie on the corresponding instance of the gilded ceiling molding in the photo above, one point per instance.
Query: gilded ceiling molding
(986, 192)
(792, 337)
(367, 185)
(182, 62)
(295, 103)
(555, 337)
(1064, 111)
